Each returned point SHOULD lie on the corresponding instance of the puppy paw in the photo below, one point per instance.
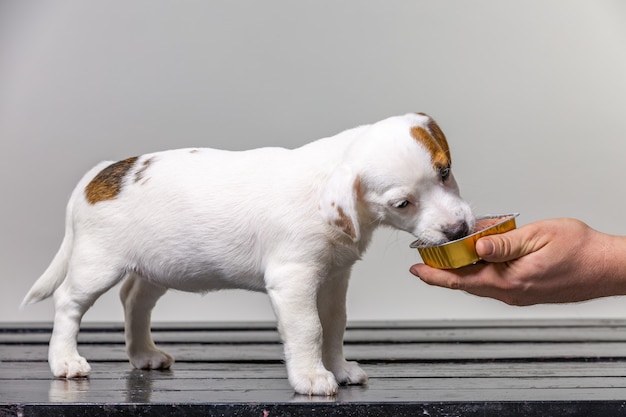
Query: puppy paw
(318, 382)
(151, 359)
(70, 367)
(349, 373)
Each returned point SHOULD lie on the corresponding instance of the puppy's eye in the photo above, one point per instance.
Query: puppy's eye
(444, 173)
(401, 204)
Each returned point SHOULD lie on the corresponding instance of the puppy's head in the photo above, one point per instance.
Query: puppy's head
(398, 173)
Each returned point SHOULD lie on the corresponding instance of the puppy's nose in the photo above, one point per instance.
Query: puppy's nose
(457, 230)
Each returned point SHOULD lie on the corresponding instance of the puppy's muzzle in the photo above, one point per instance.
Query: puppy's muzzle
(456, 230)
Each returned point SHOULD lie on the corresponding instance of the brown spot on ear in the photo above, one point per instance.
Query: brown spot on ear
(358, 190)
(435, 143)
(108, 183)
(345, 223)
(139, 175)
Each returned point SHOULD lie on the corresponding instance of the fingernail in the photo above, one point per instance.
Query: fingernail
(487, 248)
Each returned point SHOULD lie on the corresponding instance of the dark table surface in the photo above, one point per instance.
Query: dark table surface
(434, 368)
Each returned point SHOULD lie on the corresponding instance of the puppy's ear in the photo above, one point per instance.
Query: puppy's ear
(339, 202)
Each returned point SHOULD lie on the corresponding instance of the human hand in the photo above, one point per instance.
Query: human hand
(550, 261)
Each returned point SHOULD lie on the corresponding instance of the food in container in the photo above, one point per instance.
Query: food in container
(462, 252)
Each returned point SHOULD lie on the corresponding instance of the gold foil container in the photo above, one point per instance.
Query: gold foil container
(462, 252)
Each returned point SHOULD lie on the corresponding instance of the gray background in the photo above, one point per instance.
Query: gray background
(531, 95)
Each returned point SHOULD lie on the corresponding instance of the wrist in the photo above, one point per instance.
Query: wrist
(611, 261)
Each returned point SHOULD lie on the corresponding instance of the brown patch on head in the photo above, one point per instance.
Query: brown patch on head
(345, 223)
(108, 183)
(193, 151)
(433, 139)
(139, 175)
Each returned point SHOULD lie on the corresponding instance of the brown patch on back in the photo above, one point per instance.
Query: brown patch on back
(139, 175)
(434, 141)
(108, 183)
(345, 223)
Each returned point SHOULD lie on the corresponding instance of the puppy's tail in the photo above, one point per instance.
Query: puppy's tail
(54, 276)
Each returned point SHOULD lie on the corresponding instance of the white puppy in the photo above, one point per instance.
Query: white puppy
(290, 223)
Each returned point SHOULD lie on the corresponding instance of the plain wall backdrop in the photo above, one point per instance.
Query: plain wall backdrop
(531, 94)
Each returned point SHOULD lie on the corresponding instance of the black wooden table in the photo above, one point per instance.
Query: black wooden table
(443, 368)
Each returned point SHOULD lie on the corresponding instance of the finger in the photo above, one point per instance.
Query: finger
(453, 279)
(482, 280)
(507, 246)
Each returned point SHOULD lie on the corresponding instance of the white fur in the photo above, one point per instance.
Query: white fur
(270, 219)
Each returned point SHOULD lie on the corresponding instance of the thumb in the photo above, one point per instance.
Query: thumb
(503, 247)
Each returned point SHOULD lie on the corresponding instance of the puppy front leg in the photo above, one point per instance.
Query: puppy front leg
(293, 292)
(331, 303)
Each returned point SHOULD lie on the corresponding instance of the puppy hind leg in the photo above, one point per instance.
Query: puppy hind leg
(77, 293)
(331, 303)
(139, 297)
